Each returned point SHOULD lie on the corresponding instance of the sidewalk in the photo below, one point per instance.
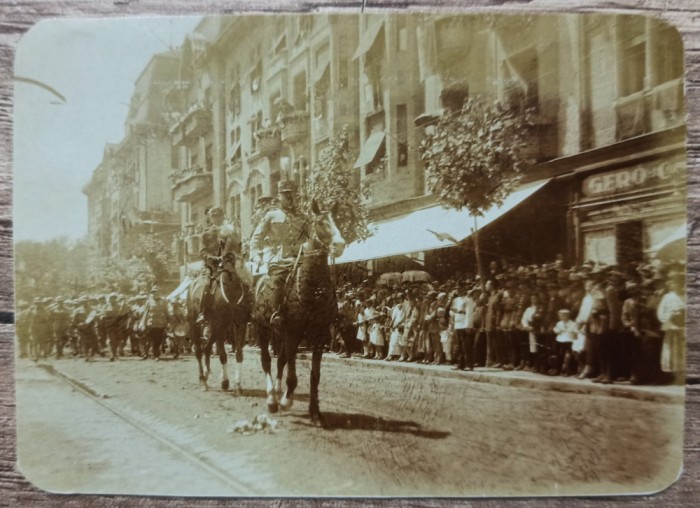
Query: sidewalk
(669, 394)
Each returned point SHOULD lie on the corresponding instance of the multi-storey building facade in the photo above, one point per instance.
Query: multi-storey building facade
(129, 193)
(257, 98)
(608, 139)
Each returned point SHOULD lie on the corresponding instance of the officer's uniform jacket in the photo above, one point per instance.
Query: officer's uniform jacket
(220, 240)
(281, 233)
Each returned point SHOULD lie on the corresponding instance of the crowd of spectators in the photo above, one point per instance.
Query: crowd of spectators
(603, 323)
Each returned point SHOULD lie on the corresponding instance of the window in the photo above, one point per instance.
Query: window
(193, 159)
(299, 92)
(256, 193)
(256, 77)
(401, 135)
(235, 209)
(668, 55)
(208, 159)
(453, 97)
(234, 100)
(378, 163)
(256, 124)
(629, 242)
(521, 76)
(274, 104)
(374, 61)
(343, 62)
(401, 33)
(633, 53)
(175, 157)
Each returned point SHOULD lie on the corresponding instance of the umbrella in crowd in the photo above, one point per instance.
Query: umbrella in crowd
(416, 276)
(389, 279)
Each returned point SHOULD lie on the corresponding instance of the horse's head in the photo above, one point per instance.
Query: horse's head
(325, 233)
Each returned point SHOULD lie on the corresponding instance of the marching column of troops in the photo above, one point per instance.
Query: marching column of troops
(100, 325)
(603, 323)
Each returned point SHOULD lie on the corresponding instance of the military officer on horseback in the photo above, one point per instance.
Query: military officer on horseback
(281, 231)
(221, 243)
(221, 247)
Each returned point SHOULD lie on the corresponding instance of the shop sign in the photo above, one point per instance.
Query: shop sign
(628, 179)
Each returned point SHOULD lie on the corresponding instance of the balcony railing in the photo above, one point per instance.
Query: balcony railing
(650, 110)
(191, 183)
(294, 126)
(196, 122)
(267, 142)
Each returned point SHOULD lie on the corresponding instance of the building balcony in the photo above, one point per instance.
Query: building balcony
(191, 183)
(196, 122)
(234, 169)
(651, 110)
(294, 127)
(267, 142)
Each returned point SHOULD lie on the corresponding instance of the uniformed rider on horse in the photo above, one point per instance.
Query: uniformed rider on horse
(221, 246)
(281, 232)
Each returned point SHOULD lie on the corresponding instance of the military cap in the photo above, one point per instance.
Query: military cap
(285, 186)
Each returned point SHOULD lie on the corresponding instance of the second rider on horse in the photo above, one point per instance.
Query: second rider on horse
(282, 230)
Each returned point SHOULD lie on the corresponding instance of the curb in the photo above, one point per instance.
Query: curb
(661, 394)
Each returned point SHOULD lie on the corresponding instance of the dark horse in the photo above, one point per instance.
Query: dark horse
(226, 315)
(310, 309)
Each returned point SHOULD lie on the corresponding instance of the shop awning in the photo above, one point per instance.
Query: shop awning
(673, 247)
(429, 228)
(369, 149)
(368, 38)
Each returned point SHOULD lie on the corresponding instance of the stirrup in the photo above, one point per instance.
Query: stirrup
(276, 319)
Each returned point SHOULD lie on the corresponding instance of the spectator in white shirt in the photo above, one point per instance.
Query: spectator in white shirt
(671, 314)
(463, 322)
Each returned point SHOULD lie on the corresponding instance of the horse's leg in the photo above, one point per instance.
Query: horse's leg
(199, 351)
(290, 347)
(239, 342)
(263, 341)
(207, 347)
(281, 362)
(220, 337)
(316, 356)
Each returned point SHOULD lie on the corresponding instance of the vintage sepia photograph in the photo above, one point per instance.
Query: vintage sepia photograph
(431, 254)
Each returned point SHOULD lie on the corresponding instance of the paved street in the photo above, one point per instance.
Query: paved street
(145, 427)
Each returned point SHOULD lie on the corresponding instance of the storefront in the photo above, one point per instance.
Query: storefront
(628, 213)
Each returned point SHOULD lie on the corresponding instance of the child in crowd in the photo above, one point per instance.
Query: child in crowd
(566, 331)
(361, 323)
(376, 332)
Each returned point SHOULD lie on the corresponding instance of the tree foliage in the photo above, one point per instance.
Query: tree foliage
(332, 181)
(476, 156)
(150, 263)
(54, 267)
(125, 275)
(157, 256)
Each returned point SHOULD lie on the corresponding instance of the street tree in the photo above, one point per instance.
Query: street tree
(475, 156)
(51, 268)
(331, 181)
(125, 276)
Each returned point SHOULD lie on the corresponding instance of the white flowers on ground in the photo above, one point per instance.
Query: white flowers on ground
(261, 423)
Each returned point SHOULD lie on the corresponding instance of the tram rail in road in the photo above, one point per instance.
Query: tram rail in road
(139, 422)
